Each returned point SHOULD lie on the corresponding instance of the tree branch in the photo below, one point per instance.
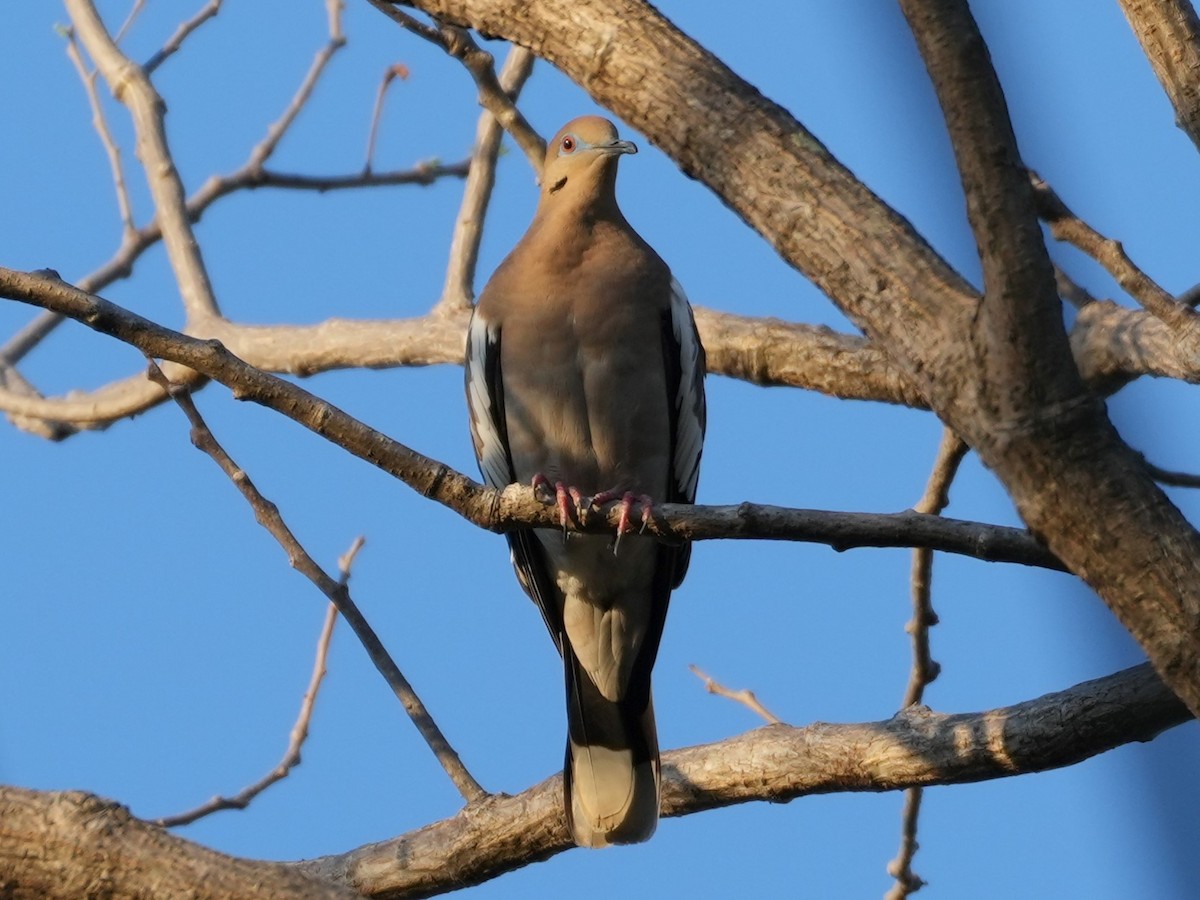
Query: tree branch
(130, 84)
(515, 506)
(1169, 32)
(1183, 321)
(777, 763)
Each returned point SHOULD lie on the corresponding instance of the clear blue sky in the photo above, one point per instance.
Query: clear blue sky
(156, 644)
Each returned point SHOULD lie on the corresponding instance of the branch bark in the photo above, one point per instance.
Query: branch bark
(45, 836)
(1169, 32)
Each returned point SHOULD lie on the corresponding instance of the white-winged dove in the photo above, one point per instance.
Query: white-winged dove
(584, 371)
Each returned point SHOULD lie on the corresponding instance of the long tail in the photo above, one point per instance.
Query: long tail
(611, 777)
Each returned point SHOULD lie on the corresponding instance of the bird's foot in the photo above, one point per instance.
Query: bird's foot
(569, 500)
(624, 523)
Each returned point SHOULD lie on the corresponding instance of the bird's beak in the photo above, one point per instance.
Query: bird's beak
(618, 147)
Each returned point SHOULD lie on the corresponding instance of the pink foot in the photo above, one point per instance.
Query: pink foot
(568, 499)
(628, 499)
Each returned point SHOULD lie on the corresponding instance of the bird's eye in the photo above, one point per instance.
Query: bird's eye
(568, 144)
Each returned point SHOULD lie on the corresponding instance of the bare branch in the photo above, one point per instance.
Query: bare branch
(745, 696)
(175, 41)
(399, 70)
(1022, 352)
(134, 12)
(924, 668)
(291, 756)
(130, 84)
(101, 125)
(492, 96)
(49, 834)
(1174, 479)
(275, 132)
(915, 748)
(762, 351)
(267, 514)
(1067, 227)
(459, 290)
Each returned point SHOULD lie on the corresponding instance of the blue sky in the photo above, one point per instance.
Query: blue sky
(156, 644)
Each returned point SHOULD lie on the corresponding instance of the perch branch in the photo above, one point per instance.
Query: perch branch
(516, 505)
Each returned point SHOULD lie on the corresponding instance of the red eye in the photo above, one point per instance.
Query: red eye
(568, 144)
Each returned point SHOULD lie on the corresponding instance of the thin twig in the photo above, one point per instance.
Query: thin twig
(1069, 228)
(459, 292)
(175, 41)
(925, 669)
(277, 129)
(479, 63)
(267, 514)
(745, 696)
(88, 77)
(397, 70)
(296, 739)
(134, 12)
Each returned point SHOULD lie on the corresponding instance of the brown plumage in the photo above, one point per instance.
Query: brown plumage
(584, 369)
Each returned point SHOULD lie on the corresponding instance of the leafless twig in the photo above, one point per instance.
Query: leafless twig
(175, 41)
(1068, 227)
(398, 70)
(132, 86)
(291, 756)
(1071, 290)
(745, 696)
(924, 668)
(267, 514)
(88, 77)
(479, 63)
(134, 12)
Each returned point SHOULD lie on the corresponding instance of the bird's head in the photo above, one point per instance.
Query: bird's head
(582, 158)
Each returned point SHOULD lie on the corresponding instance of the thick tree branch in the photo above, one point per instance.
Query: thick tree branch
(1169, 32)
(44, 836)
(1022, 357)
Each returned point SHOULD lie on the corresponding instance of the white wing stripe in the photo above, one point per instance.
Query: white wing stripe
(489, 444)
(689, 401)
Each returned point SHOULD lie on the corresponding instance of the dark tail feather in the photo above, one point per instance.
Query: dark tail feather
(611, 777)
